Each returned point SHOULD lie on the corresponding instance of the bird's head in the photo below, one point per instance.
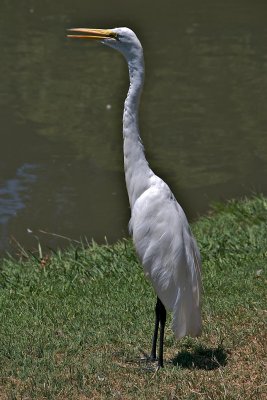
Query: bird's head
(122, 39)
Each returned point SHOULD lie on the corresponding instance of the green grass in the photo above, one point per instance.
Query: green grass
(77, 324)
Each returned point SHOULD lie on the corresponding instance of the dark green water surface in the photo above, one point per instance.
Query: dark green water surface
(203, 114)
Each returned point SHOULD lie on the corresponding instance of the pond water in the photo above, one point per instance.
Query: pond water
(203, 112)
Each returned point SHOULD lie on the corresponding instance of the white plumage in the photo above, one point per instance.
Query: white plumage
(169, 255)
(161, 234)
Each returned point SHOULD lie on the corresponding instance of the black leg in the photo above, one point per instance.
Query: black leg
(160, 313)
(162, 320)
(155, 336)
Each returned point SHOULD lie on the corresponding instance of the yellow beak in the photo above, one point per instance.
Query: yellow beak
(96, 34)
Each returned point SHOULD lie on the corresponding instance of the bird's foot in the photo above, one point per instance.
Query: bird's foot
(148, 358)
(151, 359)
(151, 367)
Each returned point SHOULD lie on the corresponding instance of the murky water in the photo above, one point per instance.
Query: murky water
(203, 112)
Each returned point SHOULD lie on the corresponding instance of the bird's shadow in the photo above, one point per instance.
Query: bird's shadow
(201, 358)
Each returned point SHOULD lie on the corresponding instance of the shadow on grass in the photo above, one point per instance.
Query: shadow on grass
(201, 358)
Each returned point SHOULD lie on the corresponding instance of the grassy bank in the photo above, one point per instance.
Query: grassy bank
(77, 325)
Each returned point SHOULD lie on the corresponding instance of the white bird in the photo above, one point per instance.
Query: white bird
(161, 234)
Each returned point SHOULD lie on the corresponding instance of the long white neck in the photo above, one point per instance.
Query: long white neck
(137, 171)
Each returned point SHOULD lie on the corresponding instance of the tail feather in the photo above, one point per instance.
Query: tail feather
(182, 295)
(186, 316)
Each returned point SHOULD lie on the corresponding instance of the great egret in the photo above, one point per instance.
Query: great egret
(161, 234)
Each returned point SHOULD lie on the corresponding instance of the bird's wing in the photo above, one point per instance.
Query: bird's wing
(169, 255)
